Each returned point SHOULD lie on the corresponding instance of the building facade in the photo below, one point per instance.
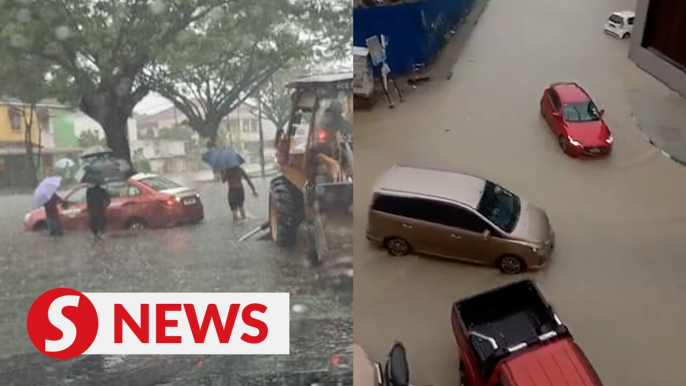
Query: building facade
(658, 44)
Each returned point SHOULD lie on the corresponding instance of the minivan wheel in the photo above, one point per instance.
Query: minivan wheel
(397, 246)
(511, 265)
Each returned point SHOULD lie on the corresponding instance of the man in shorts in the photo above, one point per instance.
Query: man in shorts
(234, 178)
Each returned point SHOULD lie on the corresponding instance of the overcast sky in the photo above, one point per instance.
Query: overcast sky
(154, 103)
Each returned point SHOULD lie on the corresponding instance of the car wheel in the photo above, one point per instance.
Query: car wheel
(136, 225)
(511, 265)
(397, 246)
(626, 36)
(40, 226)
(563, 144)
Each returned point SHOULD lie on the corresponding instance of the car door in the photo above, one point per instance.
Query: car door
(467, 235)
(115, 211)
(548, 108)
(556, 114)
(406, 218)
(74, 211)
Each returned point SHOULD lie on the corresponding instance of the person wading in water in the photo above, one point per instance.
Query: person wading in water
(234, 177)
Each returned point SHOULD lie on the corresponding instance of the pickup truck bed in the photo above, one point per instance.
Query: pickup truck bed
(504, 318)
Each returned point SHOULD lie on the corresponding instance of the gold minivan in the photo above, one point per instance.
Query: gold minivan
(458, 216)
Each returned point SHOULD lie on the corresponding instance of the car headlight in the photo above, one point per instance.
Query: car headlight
(27, 217)
(573, 142)
(610, 139)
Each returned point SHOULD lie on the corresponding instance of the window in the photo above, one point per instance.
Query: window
(430, 211)
(617, 20)
(554, 100)
(78, 196)
(43, 119)
(159, 183)
(117, 189)
(581, 112)
(15, 118)
(500, 206)
(398, 206)
(630, 21)
(253, 125)
(133, 191)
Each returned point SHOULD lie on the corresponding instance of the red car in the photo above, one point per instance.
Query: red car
(144, 201)
(576, 121)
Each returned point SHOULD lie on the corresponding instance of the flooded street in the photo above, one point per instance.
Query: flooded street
(616, 276)
(199, 258)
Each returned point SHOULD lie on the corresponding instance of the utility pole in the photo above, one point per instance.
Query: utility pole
(259, 125)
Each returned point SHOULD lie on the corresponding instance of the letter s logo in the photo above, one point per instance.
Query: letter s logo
(62, 323)
(65, 325)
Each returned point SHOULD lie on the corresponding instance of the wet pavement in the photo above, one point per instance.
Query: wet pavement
(616, 276)
(200, 258)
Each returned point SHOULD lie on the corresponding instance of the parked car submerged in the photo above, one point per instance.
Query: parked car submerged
(620, 24)
(576, 121)
(458, 216)
(143, 201)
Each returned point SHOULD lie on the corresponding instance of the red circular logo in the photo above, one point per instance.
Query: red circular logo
(62, 323)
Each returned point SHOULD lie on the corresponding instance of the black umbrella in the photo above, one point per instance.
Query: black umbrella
(106, 170)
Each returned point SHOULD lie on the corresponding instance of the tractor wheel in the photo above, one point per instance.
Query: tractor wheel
(307, 249)
(286, 211)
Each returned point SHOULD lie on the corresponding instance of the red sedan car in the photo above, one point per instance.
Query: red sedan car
(576, 121)
(144, 201)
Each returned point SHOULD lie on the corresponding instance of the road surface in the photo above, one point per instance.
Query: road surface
(617, 274)
(202, 258)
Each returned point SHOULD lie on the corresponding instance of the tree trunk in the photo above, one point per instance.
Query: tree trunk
(28, 142)
(112, 112)
(259, 125)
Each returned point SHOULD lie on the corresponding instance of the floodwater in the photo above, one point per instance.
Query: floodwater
(617, 275)
(199, 258)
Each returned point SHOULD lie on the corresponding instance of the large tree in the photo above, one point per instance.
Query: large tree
(220, 64)
(100, 48)
(26, 82)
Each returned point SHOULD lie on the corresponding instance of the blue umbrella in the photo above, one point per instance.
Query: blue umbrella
(45, 190)
(221, 158)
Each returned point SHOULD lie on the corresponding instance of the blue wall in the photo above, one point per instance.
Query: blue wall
(414, 31)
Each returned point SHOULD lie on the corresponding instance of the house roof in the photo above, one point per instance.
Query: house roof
(54, 103)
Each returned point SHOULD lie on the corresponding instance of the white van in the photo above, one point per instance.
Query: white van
(620, 24)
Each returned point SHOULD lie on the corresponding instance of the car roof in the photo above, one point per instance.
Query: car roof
(553, 364)
(626, 14)
(142, 176)
(571, 92)
(417, 182)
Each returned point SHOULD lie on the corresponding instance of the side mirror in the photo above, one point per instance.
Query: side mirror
(397, 369)
(486, 235)
(601, 112)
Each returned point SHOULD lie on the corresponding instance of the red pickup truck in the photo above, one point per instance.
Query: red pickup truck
(510, 336)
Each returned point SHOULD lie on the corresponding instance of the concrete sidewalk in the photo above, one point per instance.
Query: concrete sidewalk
(659, 112)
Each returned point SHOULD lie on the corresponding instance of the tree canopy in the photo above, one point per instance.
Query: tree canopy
(99, 48)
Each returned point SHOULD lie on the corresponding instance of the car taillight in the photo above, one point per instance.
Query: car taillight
(171, 201)
(322, 136)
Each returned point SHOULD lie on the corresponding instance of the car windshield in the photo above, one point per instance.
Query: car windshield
(581, 112)
(159, 183)
(500, 206)
(617, 20)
